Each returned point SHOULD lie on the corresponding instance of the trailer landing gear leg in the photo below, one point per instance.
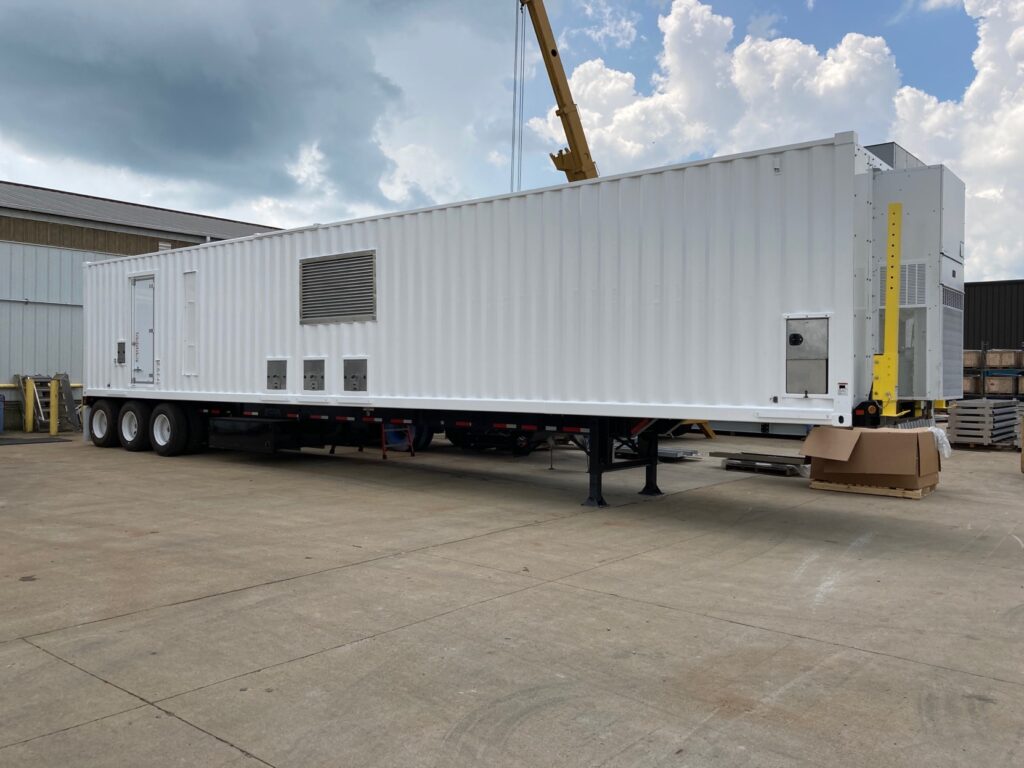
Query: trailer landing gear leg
(650, 452)
(600, 455)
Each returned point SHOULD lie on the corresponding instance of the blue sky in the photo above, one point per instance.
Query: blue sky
(933, 48)
(299, 112)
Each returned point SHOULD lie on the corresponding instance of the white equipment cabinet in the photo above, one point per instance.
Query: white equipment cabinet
(737, 288)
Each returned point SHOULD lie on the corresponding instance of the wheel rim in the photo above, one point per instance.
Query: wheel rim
(129, 426)
(99, 424)
(161, 429)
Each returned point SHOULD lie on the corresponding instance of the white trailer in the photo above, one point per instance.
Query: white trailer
(739, 288)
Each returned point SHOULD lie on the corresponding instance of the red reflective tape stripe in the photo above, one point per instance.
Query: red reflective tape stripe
(401, 421)
(215, 411)
(572, 429)
(505, 426)
(370, 419)
(463, 423)
(293, 415)
(530, 427)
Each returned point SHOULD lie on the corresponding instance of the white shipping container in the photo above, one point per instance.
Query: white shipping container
(737, 289)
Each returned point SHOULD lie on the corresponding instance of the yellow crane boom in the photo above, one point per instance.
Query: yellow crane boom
(575, 161)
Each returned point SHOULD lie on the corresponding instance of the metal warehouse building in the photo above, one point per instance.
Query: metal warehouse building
(45, 237)
(994, 315)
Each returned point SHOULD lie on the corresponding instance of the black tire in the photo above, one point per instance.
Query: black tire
(133, 426)
(459, 438)
(197, 430)
(168, 429)
(423, 436)
(103, 424)
(521, 444)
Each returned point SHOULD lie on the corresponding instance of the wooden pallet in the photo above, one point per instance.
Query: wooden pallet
(871, 490)
(982, 434)
(1005, 445)
(1005, 420)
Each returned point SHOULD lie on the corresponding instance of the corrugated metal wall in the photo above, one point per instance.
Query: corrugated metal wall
(41, 310)
(655, 294)
(56, 235)
(994, 315)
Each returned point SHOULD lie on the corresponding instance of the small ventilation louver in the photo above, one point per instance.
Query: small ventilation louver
(952, 298)
(912, 285)
(338, 289)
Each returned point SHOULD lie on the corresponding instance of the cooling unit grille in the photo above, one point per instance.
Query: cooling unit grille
(338, 289)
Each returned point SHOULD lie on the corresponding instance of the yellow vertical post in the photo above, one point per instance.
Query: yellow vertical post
(886, 365)
(54, 406)
(29, 406)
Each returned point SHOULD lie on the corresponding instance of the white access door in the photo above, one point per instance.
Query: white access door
(143, 295)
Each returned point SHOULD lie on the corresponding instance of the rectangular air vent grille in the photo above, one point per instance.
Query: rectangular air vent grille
(952, 298)
(952, 353)
(912, 285)
(338, 289)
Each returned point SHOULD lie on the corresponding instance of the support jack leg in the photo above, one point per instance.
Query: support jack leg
(650, 445)
(600, 456)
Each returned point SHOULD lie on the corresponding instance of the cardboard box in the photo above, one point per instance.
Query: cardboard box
(882, 458)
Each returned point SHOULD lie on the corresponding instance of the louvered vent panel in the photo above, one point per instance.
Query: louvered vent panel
(912, 285)
(952, 298)
(952, 352)
(338, 289)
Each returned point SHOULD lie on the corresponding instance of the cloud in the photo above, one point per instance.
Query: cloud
(242, 99)
(710, 98)
(934, 5)
(216, 92)
(979, 137)
(609, 24)
(763, 25)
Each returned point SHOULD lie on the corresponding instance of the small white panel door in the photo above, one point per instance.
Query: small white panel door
(143, 297)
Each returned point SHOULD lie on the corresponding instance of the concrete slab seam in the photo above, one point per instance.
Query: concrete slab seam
(797, 636)
(145, 702)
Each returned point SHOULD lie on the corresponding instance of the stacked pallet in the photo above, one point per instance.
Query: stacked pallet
(983, 422)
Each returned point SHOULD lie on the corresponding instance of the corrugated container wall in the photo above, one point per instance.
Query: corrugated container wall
(994, 315)
(735, 288)
(41, 310)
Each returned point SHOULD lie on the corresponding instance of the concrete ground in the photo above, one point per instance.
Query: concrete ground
(463, 610)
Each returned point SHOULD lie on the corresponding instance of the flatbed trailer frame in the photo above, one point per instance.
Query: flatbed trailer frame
(269, 428)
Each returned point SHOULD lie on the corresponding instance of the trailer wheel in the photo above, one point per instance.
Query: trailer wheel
(103, 424)
(423, 436)
(168, 429)
(133, 426)
(522, 445)
(459, 438)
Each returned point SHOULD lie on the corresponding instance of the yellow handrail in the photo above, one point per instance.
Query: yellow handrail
(15, 386)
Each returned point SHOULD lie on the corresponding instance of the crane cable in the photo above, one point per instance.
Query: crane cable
(518, 92)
